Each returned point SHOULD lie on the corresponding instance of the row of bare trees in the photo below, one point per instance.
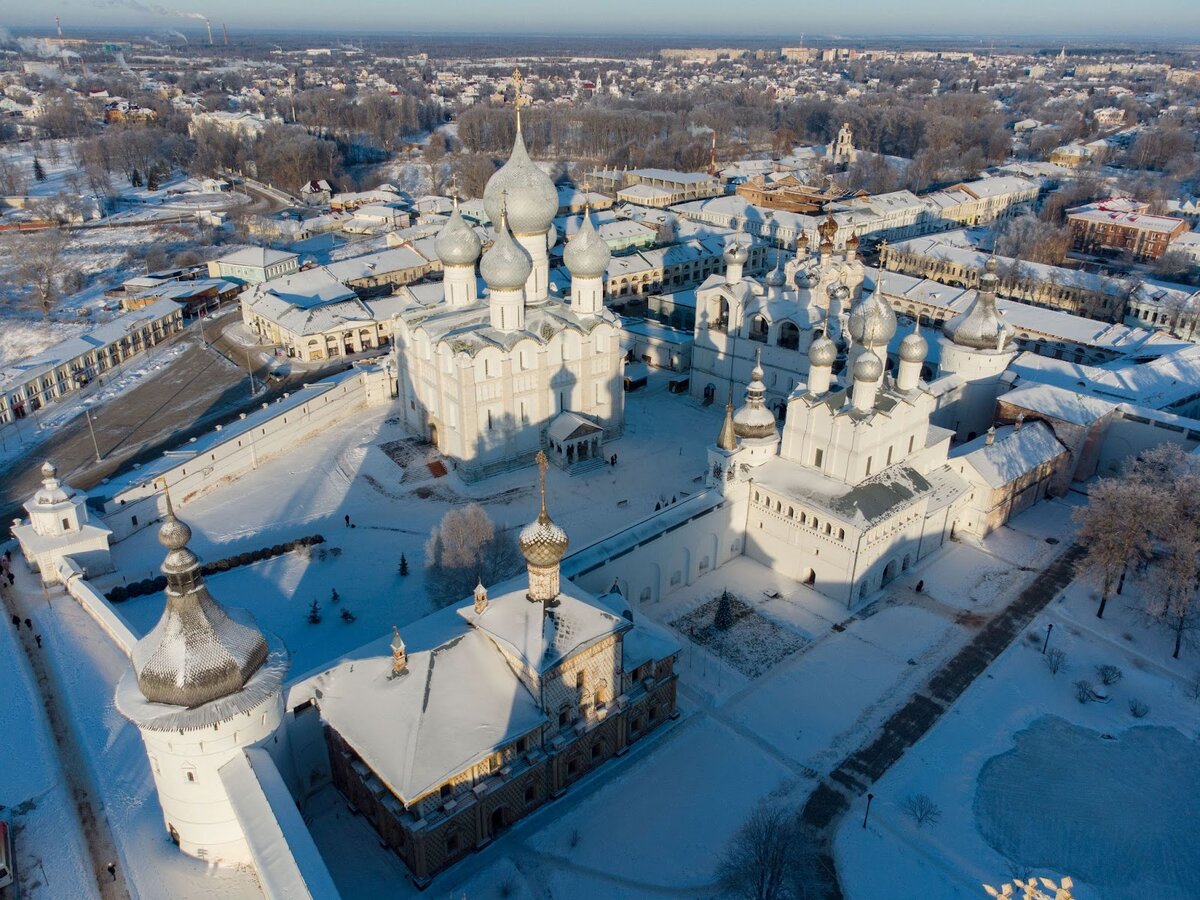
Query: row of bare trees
(1146, 522)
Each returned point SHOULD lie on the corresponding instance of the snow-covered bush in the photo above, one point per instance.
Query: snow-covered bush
(1083, 690)
(1138, 709)
(1055, 660)
(1109, 674)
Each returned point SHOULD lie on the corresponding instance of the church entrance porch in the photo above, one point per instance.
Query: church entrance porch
(575, 442)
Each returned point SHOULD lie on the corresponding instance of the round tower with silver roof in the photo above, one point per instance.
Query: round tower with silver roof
(204, 685)
(977, 346)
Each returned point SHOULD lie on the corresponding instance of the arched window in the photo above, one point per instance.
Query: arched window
(789, 336)
(758, 329)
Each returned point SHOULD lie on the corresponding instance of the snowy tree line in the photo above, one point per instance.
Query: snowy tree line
(1145, 523)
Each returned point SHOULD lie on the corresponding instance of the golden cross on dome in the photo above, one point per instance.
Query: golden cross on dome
(518, 82)
(454, 188)
(162, 481)
(542, 462)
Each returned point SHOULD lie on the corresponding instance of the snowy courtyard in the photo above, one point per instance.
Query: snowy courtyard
(1029, 780)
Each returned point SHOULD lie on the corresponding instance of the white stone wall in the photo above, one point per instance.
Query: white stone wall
(223, 463)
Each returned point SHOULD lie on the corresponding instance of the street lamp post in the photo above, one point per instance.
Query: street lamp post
(870, 797)
(91, 429)
(1046, 643)
(250, 369)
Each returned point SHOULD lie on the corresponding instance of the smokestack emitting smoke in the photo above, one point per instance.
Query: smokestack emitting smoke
(225, 31)
(58, 25)
(208, 25)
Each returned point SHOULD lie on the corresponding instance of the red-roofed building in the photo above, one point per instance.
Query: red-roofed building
(1120, 225)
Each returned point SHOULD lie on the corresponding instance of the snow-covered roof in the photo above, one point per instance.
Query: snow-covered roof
(539, 637)
(1013, 454)
(1171, 379)
(257, 257)
(569, 425)
(98, 338)
(456, 703)
(286, 860)
(1059, 403)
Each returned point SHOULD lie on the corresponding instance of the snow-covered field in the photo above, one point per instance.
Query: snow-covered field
(1029, 779)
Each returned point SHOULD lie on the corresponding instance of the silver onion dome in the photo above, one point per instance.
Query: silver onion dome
(586, 254)
(523, 190)
(753, 419)
(981, 327)
(506, 265)
(868, 367)
(914, 347)
(736, 253)
(872, 320)
(457, 244)
(822, 352)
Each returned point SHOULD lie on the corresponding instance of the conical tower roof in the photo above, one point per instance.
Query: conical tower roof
(196, 653)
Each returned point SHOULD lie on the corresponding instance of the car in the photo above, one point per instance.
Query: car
(6, 854)
(278, 372)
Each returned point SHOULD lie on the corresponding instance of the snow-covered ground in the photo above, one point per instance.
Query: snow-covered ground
(51, 857)
(1029, 779)
(343, 472)
(88, 664)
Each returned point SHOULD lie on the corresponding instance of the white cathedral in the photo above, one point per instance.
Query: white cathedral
(491, 380)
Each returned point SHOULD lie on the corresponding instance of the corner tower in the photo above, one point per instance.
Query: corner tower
(204, 685)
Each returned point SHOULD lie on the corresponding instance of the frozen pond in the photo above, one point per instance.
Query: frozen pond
(1117, 813)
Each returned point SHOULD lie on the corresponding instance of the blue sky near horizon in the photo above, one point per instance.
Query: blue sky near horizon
(1175, 19)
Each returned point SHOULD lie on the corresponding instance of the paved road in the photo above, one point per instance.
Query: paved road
(204, 385)
(866, 765)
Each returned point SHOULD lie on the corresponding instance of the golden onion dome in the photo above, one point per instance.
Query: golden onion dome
(542, 542)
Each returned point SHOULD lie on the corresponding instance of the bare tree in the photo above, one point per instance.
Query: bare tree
(12, 179)
(1055, 658)
(1117, 528)
(1171, 599)
(38, 264)
(757, 862)
(464, 548)
(922, 809)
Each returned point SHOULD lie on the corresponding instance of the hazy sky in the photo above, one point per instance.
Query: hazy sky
(1178, 19)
